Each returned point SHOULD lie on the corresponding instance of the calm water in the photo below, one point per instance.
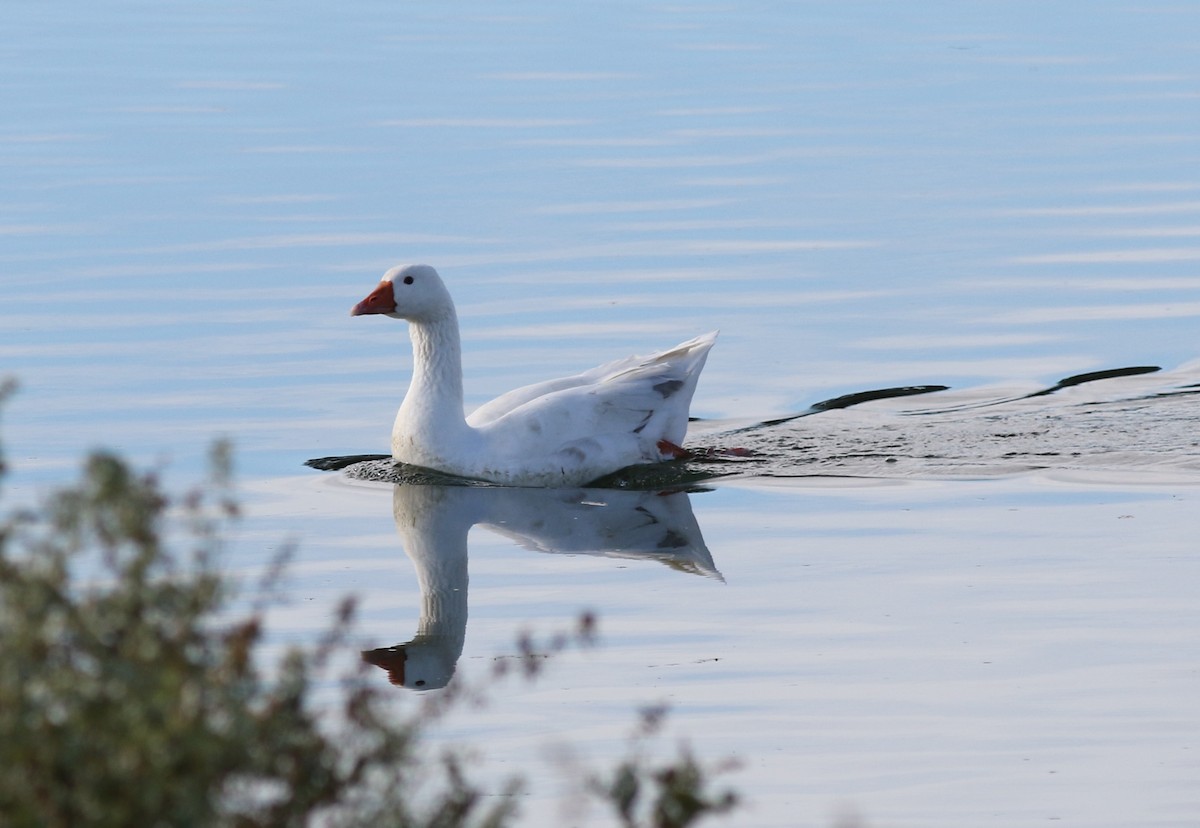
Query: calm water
(924, 625)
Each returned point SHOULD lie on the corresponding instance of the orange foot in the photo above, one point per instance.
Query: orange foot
(673, 451)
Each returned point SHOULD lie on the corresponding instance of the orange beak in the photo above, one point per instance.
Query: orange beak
(380, 300)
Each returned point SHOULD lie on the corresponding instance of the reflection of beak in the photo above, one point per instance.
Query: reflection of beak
(380, 300)
(389, 658)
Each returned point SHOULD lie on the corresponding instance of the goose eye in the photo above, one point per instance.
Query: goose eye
(408, 280)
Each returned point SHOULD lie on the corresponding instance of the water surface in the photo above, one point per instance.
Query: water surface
(972, 607)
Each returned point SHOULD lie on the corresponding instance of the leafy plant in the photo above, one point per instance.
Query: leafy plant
(671, 795)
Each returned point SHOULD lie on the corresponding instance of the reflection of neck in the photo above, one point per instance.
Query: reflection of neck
(442, 574)
(434, 534)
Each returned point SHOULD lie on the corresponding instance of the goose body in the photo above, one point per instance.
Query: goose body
(563, 432)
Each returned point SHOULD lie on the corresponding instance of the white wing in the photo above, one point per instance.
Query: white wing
(612, 409)
(678, 363)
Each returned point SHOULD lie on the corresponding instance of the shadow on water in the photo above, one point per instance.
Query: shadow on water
(1115, 422)
(433, 522)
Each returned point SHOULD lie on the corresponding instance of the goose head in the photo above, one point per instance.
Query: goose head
(414, 292)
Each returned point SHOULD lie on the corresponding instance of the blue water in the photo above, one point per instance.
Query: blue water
(859, 195)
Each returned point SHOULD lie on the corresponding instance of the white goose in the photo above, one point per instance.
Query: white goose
(563, 432)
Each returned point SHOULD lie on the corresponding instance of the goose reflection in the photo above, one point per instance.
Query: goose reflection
(433, 523)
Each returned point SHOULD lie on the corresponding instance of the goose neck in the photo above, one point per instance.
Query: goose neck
(437, 368)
